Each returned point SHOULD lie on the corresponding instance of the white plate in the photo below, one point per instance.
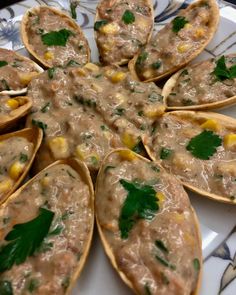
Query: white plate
(218, 221)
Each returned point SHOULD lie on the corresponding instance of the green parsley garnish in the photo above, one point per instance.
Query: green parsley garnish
(3, 63)
(196, 264)
(160, 245)
(5, 85)
(72, 63)
(56, 231)
(24, 239)
(100, 24)
(51, 73)
(45, 108)
(141, 58)
(165, 262)
(222, 72)
(119, 111)
(108, 167)
(6, 288)
(23, 158)
(56, 38)
(165, 153)
(156, 65)
(128, 17)
(140, 203)
(147, 289)
(41, 125)
(33, 285)
(73, 6)
(204, 145)
(178, 23)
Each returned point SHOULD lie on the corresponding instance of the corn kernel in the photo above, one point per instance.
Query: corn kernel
(189, 239)
(147, 74)
(127, 155)
(118, 77)
(5, 185)
(110, 29)
(188, 26)
(81, 151)
(13, 103)
(199, 33)
(230, 140)
(108, 134)
(129, 140)
(183, 48)
(45, 181)
(16, 170)
(153, 112)
(59, 147)
(80, 72)
(96, 87)
(92, 67)
(211, 124)
(25, 78)
(48, 55)
(179, 218)
(108, 45)
(161, 197)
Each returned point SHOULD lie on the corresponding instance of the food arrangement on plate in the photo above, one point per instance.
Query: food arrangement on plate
(91, 128)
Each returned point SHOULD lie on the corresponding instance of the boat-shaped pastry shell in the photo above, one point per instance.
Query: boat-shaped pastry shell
(33, 135)
(10, 119)
(107, 247)
(124, 60)
(213, 23)
(225, 121)
(83, 172)
(69, 20)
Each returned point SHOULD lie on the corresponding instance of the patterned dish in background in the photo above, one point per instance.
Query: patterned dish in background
(218, 221)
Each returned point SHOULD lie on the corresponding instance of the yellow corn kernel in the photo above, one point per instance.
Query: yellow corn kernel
(108, 134)
(25, 78)
(188, 26)
(92, 67)
(110, 29)
(161, 197)
(80, 72)
(118, 77)
(183, 48)
(189, 239)
(5, 185)
(108, 45)
(179, 218)
(199, 33)
(45, 181)
(120, 98)
(59, 147)
(96, 87)
(230, 140)
(16, 170)
(12, 103)
(127, 155)
(48, 55)
(129, 140)
(211, 124)
(153, 112)
(147, 74)
(81, 151)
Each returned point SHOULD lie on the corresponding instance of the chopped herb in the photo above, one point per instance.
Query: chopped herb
(6, 288)
(24, 239)
(36, 20)
(196, 264)
(98, 76)
(94, 160)
(153, 130)
(141, 58)
(187, 102)
(108, 168)
(140, 113)
(5, 220)
(156, 65)
(71, 175)
(173, 94)
(3, 63)
(16, 64)
(156, 169)
(40, 31)
(164, 278)
(44, 247)
(165, 153)
(128, 17)
(109, 10)
(178, 23)
(165, 262)
(222, 72)
(56, 231)
(139, 148)
(119, 111)
(41, 125)
(5, 85)
(30, 14)
(204, 145)
(33, 285)
(159, 244)
(73, 6)
(72, 63)
(66, 215)
(23, 158)
(51, 73)
(140, 203)
(45, 108)
(65, 283)
(86, 102)
(56, 38)
(154, 97)
(184, 72)
(147, 289)
(100, 24)
(104, 127)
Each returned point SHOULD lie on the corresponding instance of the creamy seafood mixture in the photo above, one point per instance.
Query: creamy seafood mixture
(8, 104)
(86, 112)
(205, 82)
(147, 220)
(15, 71)
(200, 152)
(15, 153)
(175, 43)
(54, 39)
(60, 192)
(122, 27)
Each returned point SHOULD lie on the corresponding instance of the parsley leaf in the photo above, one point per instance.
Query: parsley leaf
(6, 288)
(57, 38)
(204, 145)
(159, 244)
(178, 23)
(23, 158)
(196, 264)
(51, 73)
(73, 10)
(41, 125)
(100, 24)
(140, 203)
(222, 72)
(165, 153)
(128, 17)
(45, 108)
(3, 63)
(24, 239)
(141, 58)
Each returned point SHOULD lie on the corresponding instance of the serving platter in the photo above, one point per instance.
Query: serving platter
(218, 221)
